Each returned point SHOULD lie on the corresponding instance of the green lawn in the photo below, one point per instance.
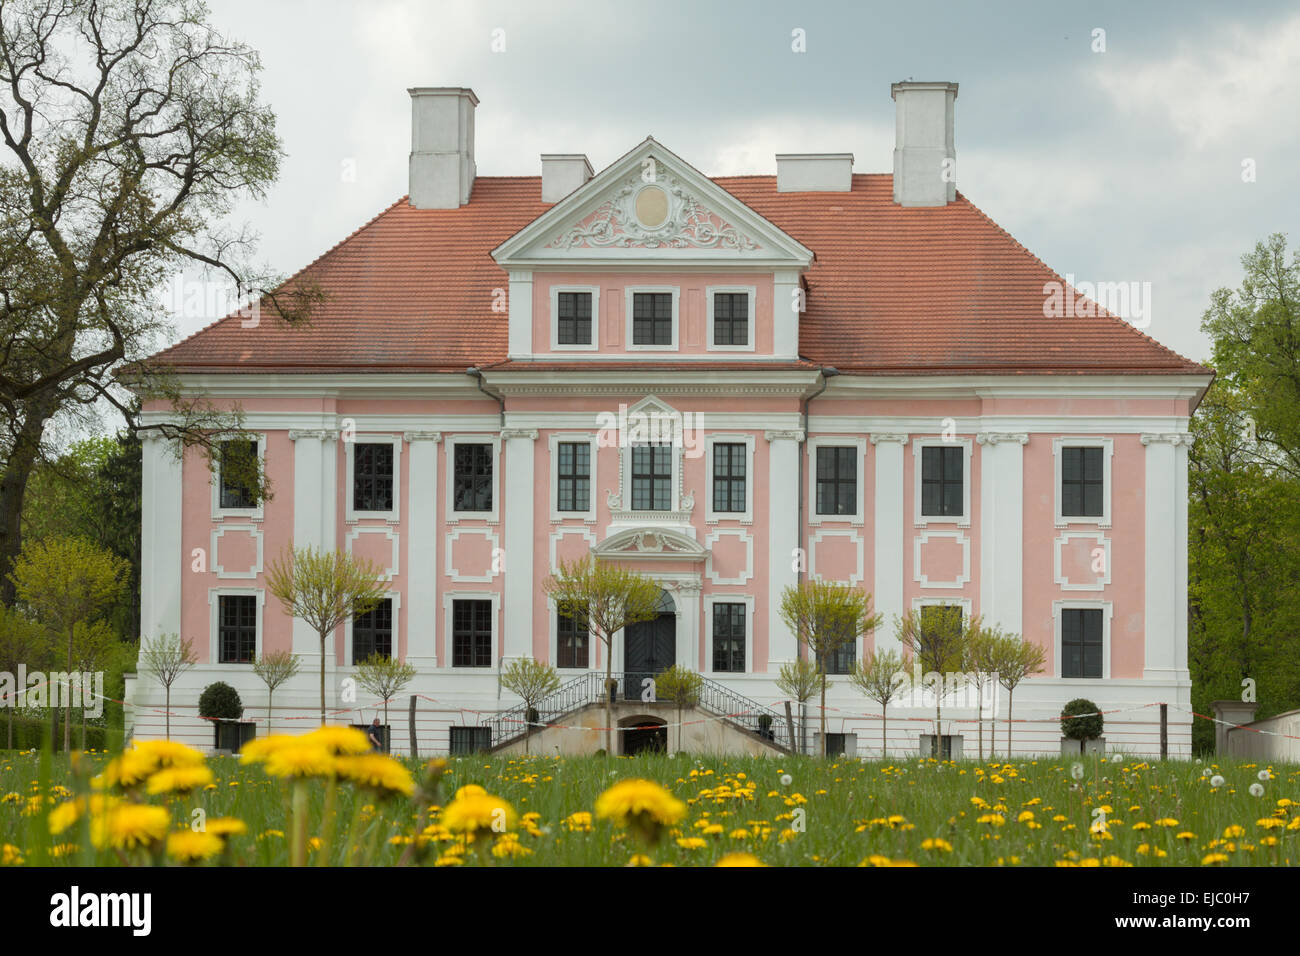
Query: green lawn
(834, 812)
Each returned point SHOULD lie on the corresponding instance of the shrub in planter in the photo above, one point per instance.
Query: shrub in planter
(220, 703)
(1077, 727)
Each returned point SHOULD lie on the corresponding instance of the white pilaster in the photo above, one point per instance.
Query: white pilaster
(162, 560)
(783, 540)
(422, 550)
(1166, 556)
(315, 502)
(786, 315)
(1002, 492)
(520, 326)
(887, 598)
(519, 533)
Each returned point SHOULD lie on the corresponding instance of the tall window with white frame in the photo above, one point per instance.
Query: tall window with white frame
(731, 318)
(729, 637)
(236, 628)
(729, 477)
(471, 633)
(942, 469)
(372, 476)
(472, 477)
(652, 318)
(652, 477)
(1081, 642)
(372, 632)
(573, 318)
(573, 476)
(571, 642)
(235, 492)
(1082, 482)
(837, 480)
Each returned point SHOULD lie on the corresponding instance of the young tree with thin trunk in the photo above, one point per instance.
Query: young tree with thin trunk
(131, 131)
(531, 680)
(1014, 659)
(934, 638)
(880, 675)
(324, 589)
(682, 688)
(800, 681)
(978, 664)
(22, 641)
(66, 581)
(605, 598)
(826, 616)
(275, 669)
(384, 677)
(165, 660)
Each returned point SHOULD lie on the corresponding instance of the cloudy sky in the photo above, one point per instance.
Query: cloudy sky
(1117, 166)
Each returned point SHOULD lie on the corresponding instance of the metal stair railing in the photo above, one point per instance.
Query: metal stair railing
(715, 698)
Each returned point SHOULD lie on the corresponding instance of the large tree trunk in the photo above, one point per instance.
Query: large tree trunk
(13, 490)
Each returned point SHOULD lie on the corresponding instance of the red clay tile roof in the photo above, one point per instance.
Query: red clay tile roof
(892, 291)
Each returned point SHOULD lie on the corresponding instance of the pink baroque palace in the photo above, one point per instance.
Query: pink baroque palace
(730, 384)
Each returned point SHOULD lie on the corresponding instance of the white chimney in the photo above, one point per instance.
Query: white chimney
(442, 146)
(562, 173)
(814, 172)
(925, 160)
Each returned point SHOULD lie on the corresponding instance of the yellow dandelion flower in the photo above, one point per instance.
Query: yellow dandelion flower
(377, 772)
(470, 790)
(178, 780)
(1269, 823)
(126, 826)
(11, 855)
(740, 859)
(1186, 835)
(633, 801)
(169, 753)
(299, 760)
(1167, 822)
(66, 814)
(128, 769)
(339, 741)
(936, 844)
(691, 843)
(189, 846)
(1214, 859)
(640, 859)
(227, 827)
(473, 812)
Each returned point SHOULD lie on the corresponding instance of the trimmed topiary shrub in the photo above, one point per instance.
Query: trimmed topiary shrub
(220, 701)
(1081, 727)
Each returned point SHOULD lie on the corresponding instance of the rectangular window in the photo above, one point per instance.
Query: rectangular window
(471, 633)
(843, 659)
(837, 480)
(472, 477)
(836, 744)
(574, 318)
(571, 640)
(729, 462)
(1082, 482)
(372, 632)
(468, 740)
(652, 477)
(237, 628)
(573, 476)
(729, 637)
(942, 476)
(237, 456)
(1081, 642)
(372, 476)
(730, 318)
(652, 318)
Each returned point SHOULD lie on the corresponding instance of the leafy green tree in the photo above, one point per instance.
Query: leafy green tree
(275, 669)
(1013, 659)
(604, 598)
(131, 130)
(881, 676)
(935, 638)
(681, 687)
(165, 660)
(826, 616)
(66, 581)
(22, 641)
(384, 677)
(800, 680)
(531, 680)
(324, 589)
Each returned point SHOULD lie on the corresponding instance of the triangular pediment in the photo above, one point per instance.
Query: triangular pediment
(651, 205)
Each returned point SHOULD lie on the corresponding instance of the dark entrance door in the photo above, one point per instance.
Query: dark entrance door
(648, 649)
(645, 739)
